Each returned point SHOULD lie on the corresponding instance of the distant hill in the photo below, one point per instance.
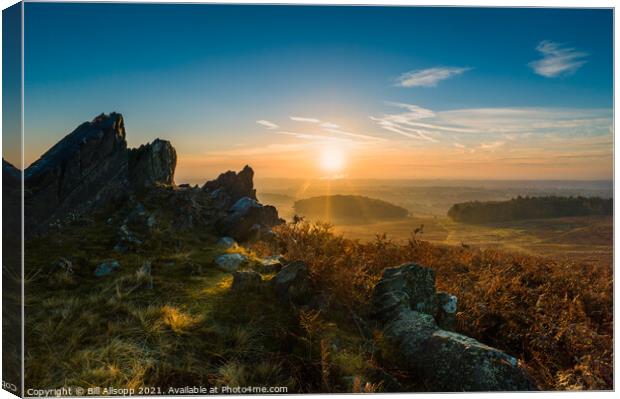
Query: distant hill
(522, 208)
(348, 209)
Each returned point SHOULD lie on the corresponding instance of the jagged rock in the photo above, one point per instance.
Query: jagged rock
(152, 163)
(406, 305)
(292, 283)
(64, 265)
(247, 219)
(409, 285)
(230, 262)
(106, 268)
(86, 168)
(232, 186)
(226, 243)
(246, 281)
(272, 264)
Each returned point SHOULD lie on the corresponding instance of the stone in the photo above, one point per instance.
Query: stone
(409, 310)
(106, 268)
(246, 281)
(85, 169)
(446, 311)
(226, 243)
(230, 262)
(152, 164)
(246, 219)
(409, 285)
(292, 284)
(234, 185)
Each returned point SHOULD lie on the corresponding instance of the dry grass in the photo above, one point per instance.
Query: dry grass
(557, 317)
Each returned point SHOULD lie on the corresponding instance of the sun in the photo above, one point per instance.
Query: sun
(331, 159)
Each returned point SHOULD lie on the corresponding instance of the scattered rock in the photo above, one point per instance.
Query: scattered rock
(246, 281)
(292, 284)
(64, 265)
(152, 163)
(404, 301)
(151, 222)
(226, 243)
(106, 268)
(230, 262)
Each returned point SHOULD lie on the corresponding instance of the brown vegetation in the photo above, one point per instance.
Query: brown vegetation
(556, 316)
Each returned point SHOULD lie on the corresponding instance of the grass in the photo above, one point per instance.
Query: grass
(190, 328)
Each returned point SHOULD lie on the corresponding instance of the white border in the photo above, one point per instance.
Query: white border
(474, 3)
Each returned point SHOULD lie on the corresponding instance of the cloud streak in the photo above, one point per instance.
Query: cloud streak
(269, 125)
(428, 77)
(304, 119)
(557, 60)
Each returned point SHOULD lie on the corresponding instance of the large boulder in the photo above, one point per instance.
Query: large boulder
(87, 167)
(230, 262)
(152, 163)
(408, 308)
(247, 219)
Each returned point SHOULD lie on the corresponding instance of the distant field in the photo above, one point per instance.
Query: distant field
(587, 238)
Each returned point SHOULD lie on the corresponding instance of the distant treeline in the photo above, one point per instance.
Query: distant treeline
(521, 208)
(348, 209)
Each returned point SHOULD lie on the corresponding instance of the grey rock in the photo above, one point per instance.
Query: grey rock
(405, 303)
(83, 170)
(410, 286)
(234, 185)
(292, 283)
(446, 312)
(226, 243)
(246, 281)
(144, 274)
(230, 262)
(247, 218)
(152, 163)
(106, 268)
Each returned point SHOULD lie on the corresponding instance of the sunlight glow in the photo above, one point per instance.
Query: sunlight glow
(331, 159)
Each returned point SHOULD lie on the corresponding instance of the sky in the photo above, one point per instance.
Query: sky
(332, 92)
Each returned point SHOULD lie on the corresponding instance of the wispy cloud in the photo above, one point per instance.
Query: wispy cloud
(329, 125)
(428, 77)
(406, 123)
(557, 60)
(304, 119)
(267, 124)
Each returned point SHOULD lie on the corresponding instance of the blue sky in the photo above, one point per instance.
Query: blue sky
(472, 86)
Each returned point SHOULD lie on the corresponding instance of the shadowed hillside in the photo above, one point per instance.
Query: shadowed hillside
(353, 209)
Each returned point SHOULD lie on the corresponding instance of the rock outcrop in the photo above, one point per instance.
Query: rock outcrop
(230, 187)
(152, 163)
(408, 308)
(86, 167)
(92, 166)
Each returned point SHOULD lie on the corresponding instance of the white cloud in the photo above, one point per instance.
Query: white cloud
(329, 125)
(428, 77)
(304, 119)
(267, 124)
(486, 128)
(557, 60)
